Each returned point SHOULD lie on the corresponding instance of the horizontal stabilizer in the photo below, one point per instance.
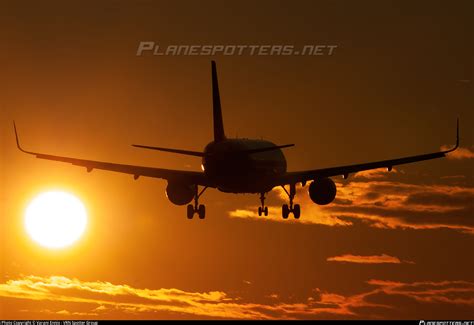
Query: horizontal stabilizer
(202, 154)
(182, 152)
(250, 151)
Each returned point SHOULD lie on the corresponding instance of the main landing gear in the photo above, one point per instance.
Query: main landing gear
(200, 209)
(262, 209)
(285, 209)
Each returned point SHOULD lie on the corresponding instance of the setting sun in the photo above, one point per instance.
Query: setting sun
(55, 219)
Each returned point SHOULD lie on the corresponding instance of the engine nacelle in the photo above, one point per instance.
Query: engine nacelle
(322, 191)
(179, 194)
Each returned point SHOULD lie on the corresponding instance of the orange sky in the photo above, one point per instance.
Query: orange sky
(395, 245)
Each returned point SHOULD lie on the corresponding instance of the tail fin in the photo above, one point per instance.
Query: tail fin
(216, 103)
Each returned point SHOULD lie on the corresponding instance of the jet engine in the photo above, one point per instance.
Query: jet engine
(180, 194)
(322, 191)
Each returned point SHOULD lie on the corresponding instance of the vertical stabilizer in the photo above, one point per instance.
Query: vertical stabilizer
(216, 106)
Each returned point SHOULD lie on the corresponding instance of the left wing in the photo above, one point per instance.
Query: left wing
(303, 176)
(189, 177)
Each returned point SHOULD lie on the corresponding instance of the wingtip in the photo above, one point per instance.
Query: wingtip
(17, 139)
(457, 138)
(457, 133)
(16, 136)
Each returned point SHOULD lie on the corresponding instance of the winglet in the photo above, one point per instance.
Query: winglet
(16, 137)
(18, 141)
(457, 133)
(457, 138)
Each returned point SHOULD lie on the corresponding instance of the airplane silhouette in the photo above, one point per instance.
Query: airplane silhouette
(240, 166)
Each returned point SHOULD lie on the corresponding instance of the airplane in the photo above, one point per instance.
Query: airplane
(240, 166)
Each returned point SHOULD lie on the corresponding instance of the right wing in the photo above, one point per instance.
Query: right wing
(195, 178)
(307, 175)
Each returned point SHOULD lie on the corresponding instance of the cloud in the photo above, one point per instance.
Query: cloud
(382, 203)
(371, 259)
(106, 300)
(374, 173)
(126, 298)
(454, 177)
(409, 205)
(462, 198)
(69, 313)
(459, 153)
(447, 292)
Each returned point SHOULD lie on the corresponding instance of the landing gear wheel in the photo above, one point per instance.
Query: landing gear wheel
(285, 211)
(190, 211)
(262, 209)
(202, 211)
(297, 211)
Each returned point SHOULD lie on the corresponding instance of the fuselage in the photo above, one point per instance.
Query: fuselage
(233, 171)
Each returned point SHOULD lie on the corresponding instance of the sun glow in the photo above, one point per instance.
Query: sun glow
(55, 219)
